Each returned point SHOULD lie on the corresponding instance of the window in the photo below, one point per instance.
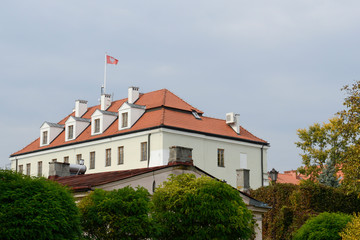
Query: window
(45, 137)
(39, 169)
(108, 157)
(54, 160)
(78, 158)
(28, 168)
(71, 132)
(66, 159)
(220, 157)
(121, 155)
(143, 151)
(92, 160)
(124, 119)
(21, 169)
(97, 125)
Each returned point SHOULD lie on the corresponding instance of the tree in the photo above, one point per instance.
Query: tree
(187, 207)
(36, 208)
(352, 229)
(323, 147)
(325, 226)
(117, 214)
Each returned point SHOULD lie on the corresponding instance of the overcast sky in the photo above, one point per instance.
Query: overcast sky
(279, 64)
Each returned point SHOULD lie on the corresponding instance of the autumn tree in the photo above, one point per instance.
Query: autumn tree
(187, 207)
(352, 229)
(323, 148)
(335, 144)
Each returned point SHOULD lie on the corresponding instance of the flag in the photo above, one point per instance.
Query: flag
(111, 60)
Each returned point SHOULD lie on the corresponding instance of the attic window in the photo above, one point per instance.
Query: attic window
(45, 137)
(124, 119)
(71, 132)
(97, 125)
(196, 115)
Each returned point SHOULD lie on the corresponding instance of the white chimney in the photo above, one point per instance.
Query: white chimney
(105, 101)
(233, 120)
(80, 107)
(133, 94)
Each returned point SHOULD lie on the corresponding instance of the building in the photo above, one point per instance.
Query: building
(137, 131)
(180, 162)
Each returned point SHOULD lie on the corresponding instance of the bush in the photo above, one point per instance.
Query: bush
(36, 208)
(117, 214)
(293, 204)
(352, 229)
(325, 226)
(187, 207)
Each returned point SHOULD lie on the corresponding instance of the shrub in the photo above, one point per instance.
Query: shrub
(36, 208)
(292, 205)
(187, 207)
(352, 229)
(325, 226)
(117, 214)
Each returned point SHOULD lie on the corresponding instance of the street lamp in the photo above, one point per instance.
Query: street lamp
(273, 175)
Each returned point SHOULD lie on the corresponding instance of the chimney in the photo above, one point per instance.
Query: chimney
(80, 107)
(180, 155)
(233, 120)
(105, 101)
(58, 169)
(133, 94)
(243, 179)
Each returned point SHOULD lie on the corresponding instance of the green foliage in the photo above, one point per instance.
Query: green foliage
(323, 147)
(325, 226)
(352, 229)
(292, 205)
(117, 214)
(187, 207)
(36, 208)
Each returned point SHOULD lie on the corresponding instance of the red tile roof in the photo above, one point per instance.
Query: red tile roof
(166, 110)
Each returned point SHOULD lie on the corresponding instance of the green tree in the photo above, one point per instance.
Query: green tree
(352, 229)
(117, 214)
(187, 207)
(325, 226)
(36, 208)
(323, 147)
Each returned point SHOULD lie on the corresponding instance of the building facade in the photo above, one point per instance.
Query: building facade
(136, 132)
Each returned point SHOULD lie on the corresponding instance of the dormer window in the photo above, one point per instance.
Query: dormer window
(101, 120)
(45, 137)
(97, 125)
(48, 132)
(124, 119)
(71, 132)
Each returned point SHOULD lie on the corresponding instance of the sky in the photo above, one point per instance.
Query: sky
(280, 64)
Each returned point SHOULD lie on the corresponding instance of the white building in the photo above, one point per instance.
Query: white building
(136, 132)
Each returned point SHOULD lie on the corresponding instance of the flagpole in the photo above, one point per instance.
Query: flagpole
(105, 75)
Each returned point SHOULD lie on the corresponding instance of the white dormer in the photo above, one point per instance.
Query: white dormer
(80, 107)
(129, 114)
(101, 120)
(48, 132)
(74, 126)
(105, 101)
(233, 120)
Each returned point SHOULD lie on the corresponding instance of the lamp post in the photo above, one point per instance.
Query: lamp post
(273, 175)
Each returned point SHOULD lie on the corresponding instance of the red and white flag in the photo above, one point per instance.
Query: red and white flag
(111, 60)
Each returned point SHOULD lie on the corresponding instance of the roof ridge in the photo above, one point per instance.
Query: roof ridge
(194, 108)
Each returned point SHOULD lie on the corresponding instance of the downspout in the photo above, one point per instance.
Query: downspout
(16, 164)
(148, 150)
(262, 165)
